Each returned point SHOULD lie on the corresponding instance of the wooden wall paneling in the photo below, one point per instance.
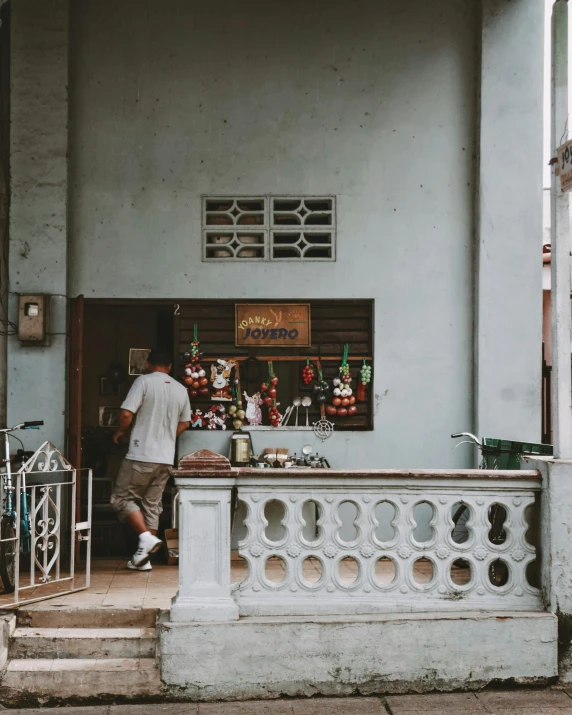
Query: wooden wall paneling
(333, 324)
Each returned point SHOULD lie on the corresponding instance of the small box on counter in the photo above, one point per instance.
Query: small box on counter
(171, 545)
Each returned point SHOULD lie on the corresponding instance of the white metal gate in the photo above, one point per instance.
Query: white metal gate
(47, 535)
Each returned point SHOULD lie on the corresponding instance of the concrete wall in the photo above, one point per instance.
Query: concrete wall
(369, 654)
(373, 102)
(509, 273)
(38, 210)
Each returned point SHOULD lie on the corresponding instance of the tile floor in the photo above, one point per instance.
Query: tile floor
(112, 584)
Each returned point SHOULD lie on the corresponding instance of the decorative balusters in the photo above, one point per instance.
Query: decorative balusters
(328, 542)
(387, 548)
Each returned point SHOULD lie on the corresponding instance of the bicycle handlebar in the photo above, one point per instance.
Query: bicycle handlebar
(35, 424)
(472, 437)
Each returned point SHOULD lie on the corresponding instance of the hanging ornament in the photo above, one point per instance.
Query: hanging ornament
(235, 411)
(308, 373)
(270, 391)
(197, 419)
(220, 377)
(343, 399)
(364, 380)
(323, 428)
(216, 417)
(195, 377)
(321, 388)
(253, 405)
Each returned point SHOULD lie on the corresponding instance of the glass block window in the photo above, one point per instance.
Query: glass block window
(269, 228)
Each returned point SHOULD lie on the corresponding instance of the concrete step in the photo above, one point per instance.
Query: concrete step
(52, 643)
(53, 681)
(45, 615)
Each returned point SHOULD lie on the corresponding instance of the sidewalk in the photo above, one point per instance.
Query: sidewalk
(515, 702)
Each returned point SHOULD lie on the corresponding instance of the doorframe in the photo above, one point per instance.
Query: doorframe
(77, 310)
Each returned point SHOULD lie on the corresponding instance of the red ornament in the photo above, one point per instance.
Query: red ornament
(308, 373)
(268, 401)
(263, 387)
(274, 380)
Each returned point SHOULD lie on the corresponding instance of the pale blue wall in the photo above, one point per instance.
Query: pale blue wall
(36, 377)
(372, 101)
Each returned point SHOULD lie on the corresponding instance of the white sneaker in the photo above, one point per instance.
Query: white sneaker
(148, 544)
(145, 567)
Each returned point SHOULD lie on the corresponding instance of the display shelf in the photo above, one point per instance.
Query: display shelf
(270, 428)
(335, 323)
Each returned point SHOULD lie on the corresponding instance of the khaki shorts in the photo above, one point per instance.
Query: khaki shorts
(139, 487)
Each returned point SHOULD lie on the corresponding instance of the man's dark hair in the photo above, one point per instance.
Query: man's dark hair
(159, 358)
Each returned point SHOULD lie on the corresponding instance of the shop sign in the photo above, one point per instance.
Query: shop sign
(565, 166)
(283, 325)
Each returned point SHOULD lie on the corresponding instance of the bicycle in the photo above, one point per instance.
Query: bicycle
(8, 521)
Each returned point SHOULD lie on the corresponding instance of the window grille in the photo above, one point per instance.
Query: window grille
(269, 228)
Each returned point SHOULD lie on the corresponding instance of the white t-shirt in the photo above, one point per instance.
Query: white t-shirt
(160, 403)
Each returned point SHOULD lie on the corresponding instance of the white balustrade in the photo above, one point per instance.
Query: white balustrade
(352, 542)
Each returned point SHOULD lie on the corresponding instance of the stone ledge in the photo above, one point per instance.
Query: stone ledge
(339, 656)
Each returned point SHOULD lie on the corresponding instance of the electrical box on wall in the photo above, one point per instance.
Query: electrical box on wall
(33, 319)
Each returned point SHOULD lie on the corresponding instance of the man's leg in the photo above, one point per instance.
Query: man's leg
(152, 499)
(136, 521)
(132, 482)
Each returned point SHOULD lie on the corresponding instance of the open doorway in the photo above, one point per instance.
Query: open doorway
(115, 338)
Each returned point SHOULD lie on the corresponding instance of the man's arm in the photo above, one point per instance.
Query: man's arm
(125, 420)
(181, 427)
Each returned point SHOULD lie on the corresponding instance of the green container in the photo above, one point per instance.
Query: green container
(506, 454)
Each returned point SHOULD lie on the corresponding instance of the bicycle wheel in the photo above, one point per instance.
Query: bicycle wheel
(8, 553)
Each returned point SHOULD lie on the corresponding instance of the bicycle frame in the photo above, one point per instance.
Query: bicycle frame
(9, 506)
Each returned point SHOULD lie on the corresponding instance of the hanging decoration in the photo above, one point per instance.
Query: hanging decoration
(321, 388)
(195, 377)
(268, 389)
(217, 417)
(323, 428)
(364, 380)
(253, 405)
(235, 410)
(343, 398)
(308, 373)
(197, 419)
(220, 377)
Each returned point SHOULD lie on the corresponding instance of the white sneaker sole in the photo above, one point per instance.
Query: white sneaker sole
(131, 566)
(145, 559)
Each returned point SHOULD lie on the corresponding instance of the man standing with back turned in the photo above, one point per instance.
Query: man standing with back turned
(161, 405)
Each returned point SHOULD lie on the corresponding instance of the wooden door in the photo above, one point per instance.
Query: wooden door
(75, 389)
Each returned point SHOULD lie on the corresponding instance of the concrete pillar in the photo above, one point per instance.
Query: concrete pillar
(556, 551)
(205, 482)
(38, 212)
(508, 326)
